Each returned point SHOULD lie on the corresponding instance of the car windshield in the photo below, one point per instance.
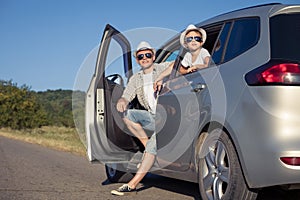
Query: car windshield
(285, 37)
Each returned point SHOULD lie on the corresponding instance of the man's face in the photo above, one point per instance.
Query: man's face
(145, 58)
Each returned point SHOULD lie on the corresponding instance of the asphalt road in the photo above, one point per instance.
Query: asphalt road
(29, 171)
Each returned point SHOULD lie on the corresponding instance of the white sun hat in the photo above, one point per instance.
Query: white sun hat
(190, 28)
(144, 46)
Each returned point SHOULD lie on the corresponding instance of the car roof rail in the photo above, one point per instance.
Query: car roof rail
(250, 7)
(260, 5)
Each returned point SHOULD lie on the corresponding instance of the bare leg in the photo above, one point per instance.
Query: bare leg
(143, 170)
(137, 130)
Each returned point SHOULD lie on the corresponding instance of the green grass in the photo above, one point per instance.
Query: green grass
(60, 138)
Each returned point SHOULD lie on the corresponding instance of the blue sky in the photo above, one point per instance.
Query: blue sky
(44, 42)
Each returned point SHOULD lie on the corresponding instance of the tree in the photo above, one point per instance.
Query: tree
(19, 107)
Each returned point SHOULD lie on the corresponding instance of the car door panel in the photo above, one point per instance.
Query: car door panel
(181, 103)
(106, 137)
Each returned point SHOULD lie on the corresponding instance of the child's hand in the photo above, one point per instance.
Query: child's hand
(192, 69)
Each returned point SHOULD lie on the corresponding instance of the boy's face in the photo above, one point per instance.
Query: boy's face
(193, 43)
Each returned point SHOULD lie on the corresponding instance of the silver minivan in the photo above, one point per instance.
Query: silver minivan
(233, 127)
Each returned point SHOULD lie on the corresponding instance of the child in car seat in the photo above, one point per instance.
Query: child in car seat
(196, 58)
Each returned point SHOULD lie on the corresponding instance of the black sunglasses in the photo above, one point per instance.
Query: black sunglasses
(141, 56)
(196, 38)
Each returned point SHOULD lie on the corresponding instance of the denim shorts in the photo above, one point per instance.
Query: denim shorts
(143, 117)
(147, 121)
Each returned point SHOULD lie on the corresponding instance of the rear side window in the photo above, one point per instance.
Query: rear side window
(243, 36)
(285, 37)
(218, 51)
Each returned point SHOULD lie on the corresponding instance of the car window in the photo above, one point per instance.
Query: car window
(169, 52)
(243, 36)
(285, 37)
(217, 55)
(172, 56)
(115, 61)
(213, 32)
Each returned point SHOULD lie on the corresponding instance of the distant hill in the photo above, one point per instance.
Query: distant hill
(58, 106)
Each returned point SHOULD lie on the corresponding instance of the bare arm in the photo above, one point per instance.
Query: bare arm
(184, 70)
(199, 66)
(159, 80)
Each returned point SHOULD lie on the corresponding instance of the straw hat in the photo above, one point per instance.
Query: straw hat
(144, 46)
(190, 28)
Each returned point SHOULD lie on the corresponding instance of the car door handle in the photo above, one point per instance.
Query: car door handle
(198, 87)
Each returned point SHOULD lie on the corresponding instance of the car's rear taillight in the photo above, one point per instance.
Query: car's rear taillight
(275, 73)
(293, 161)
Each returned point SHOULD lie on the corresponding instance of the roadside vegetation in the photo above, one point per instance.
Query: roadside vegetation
(59, 138)
(43, 118)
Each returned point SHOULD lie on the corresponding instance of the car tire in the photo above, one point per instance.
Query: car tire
(117, 174)
(219, 171)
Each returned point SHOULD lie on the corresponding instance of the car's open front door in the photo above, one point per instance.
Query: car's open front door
(107, 140)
